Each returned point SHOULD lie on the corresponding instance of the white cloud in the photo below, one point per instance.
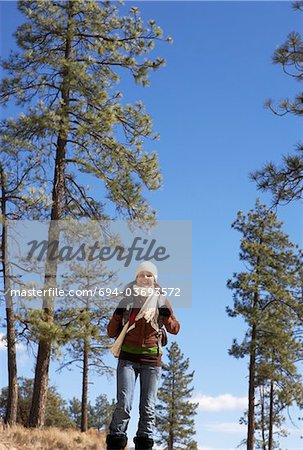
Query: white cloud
(220, 402)
(225, 427)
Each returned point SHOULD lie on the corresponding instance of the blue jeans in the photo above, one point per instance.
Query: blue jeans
(127, 374)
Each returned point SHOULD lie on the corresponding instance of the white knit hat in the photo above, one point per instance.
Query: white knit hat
(147, 266)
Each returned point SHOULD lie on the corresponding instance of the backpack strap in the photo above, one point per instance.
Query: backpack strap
(127, 311)
(162, 335)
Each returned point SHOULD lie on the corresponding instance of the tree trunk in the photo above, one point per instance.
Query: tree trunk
(263, 420)
(12, 404)
(170, 440)
(84, 386)
(38, 407)
(271, 416)
(12, 401)
(172, 418)
(251, 390)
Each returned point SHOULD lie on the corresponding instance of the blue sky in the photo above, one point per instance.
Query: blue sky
(207, 105)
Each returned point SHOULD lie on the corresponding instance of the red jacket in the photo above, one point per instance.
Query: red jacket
(143, 335)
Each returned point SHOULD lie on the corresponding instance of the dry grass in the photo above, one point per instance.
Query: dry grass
(20, 438)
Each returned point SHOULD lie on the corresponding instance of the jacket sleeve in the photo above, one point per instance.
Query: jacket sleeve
(115, 324)
(169, 320)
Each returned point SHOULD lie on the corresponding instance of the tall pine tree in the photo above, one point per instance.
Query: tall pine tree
(17, 202)
(265, 296)
(175, 411)
(84, 322)
(72, 55)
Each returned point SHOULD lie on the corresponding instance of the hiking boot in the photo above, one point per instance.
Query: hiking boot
(115, 442)
(143, 443)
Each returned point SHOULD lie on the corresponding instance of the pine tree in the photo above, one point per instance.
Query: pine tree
(277, 372)
(86, 316)
(72, 54)
(102, 412)
(87, 344)
(56, 411)
(285, 181)
(175, 411)
(74, 411)
(265, 296)
(99, 414)
(17, 202)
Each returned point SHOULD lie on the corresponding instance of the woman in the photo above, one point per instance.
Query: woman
(136, 324)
